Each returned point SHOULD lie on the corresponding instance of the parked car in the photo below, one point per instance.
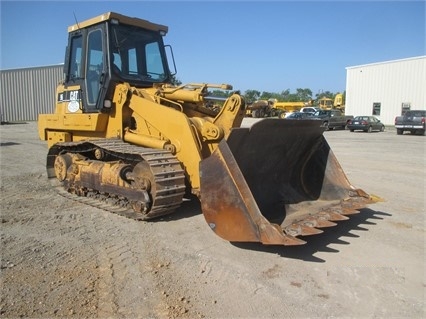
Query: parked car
(366, 124)
(333, 118)
(298, 116)
(413, 121)
(310, 109)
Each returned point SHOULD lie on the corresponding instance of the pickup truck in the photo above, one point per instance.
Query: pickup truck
(332, 118)
(412, 121)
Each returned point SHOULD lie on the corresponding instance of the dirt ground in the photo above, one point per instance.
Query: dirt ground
(62, 259)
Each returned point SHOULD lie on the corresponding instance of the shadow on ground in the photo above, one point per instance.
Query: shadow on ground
(12, 123)
(9, 144)
(190, 207)
(314, 244)
(319, 243)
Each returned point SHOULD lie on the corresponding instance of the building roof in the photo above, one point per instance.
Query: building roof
(34, 67)
(387, 62)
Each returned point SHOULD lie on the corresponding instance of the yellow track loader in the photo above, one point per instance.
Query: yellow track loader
(125, 139)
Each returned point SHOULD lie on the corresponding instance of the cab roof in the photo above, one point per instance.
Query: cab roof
(121, 19)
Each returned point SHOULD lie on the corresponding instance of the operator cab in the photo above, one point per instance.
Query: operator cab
(112, 49)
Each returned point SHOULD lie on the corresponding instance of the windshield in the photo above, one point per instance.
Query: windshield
(137, 54)
(320, 113)
(416, 113)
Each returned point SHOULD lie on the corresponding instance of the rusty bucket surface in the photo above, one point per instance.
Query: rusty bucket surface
(274, 181)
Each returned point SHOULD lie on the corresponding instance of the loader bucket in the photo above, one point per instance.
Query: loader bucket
(275, 181)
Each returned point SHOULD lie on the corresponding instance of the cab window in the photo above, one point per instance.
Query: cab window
(154, 65)
(94, 64)
(76, 58)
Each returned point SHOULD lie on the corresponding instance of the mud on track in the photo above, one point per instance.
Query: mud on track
(60, 258)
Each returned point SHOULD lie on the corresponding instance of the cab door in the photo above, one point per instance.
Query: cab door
(85, 70)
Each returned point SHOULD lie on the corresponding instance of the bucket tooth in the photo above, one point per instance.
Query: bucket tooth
(333, 216)
(318, 222)
(349, 211)
(359, 199)
(354, 204)
(362, 194)
(279, 237)
(343, 210)
(293, 241)
(273, 234)
(301, 230)
(323, 223)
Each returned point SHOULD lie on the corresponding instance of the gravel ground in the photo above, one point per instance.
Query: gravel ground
(62, 259)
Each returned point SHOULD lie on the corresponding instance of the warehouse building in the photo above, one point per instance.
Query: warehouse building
(29, 91)
(386, 89)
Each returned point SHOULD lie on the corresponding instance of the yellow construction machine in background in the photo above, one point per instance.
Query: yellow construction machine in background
(272, 108)
(330, 104)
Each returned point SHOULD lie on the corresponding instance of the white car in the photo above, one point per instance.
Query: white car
(309, 109)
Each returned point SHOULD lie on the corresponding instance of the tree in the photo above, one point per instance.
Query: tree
(285, 94)
(175, 81)
(304, 95)
(301, 95)
(251, 95)
(266, 95)
(326, 94)
(220, 93)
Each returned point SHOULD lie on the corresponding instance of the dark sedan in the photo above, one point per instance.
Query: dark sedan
(366, 124)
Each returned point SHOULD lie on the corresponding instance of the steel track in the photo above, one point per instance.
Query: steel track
(165, 167)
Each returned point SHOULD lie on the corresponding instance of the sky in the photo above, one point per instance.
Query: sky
(267, 46)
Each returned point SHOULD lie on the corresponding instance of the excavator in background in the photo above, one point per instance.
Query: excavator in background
(330, 104)
(123, 138)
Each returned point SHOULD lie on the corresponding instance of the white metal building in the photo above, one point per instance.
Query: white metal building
(386, 89)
